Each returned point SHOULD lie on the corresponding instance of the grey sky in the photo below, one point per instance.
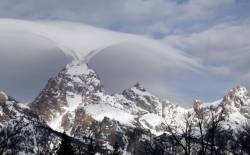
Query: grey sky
(26, 63)
(119, 67)
(213, 34)
(155, 17)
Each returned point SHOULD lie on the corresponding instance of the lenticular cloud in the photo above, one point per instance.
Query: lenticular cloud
(125, 58)
(83, 41)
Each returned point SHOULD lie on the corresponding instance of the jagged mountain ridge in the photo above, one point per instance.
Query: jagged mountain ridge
(24, 132)
(78, 87)
(21, 130)
(76, 102)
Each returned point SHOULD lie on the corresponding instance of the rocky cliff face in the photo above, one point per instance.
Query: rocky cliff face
(21, 130)
(237, 100)
(233, 108)
(236, 107)
(3, 97)
(11, 109)
(64, 92)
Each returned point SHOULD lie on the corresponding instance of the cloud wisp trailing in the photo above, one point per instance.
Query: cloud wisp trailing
(224, 49)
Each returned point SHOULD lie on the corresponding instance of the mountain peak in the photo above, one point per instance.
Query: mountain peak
(238, 91)
(238, 95)
(77, 68)
(136, 91)
(237, 100)
(3, 97)
(66, 90)
(139, 87)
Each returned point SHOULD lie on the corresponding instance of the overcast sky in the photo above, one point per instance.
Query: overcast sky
(211, 37)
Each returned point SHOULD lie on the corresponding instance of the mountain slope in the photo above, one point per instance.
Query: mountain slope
(21, 131)
(75, 101)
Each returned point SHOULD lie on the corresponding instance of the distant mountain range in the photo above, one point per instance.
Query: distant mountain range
(75, 104)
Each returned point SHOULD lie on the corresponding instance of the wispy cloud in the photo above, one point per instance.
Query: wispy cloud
(135, 16)
(223, 50)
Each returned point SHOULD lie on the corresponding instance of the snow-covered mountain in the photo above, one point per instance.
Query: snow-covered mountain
(235, 106)
(78, 87)
(21, 130)
(75, 101)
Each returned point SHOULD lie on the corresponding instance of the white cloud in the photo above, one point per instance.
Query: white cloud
(78, 40)
(223, 49)
(27, 61)
(148, 59)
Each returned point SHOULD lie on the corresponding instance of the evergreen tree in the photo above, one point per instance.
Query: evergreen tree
(65, 146)
(116, 149)
(91, 148)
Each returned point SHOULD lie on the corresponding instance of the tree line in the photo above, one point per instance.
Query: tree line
(201, 135)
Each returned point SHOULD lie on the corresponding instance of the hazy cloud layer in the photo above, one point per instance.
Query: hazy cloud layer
(121, 66)
(27, 61)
